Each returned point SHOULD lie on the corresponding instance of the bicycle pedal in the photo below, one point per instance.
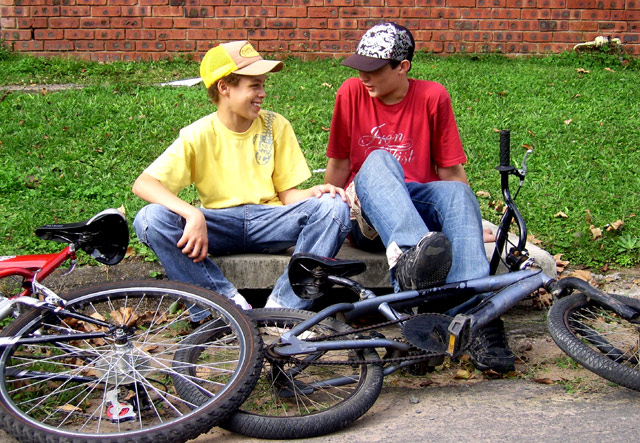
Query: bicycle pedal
(427, 332)
(118, 412)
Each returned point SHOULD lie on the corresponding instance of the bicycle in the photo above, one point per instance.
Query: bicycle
(321, 374)
(104, 363)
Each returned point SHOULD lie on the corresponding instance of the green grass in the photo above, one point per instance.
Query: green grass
(66, 155)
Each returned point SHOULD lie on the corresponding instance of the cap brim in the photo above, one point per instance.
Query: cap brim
(261, 67)
(363, 63)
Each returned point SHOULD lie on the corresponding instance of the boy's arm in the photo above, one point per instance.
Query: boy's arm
(194, 241)
(453, 173)
(293, 195)
(338, 171)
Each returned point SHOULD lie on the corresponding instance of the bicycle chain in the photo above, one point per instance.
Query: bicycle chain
(421, 354)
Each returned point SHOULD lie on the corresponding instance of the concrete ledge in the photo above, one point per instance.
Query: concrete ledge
(260, 271)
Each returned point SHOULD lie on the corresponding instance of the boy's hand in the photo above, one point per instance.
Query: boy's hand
(194, 241)
(329, 189)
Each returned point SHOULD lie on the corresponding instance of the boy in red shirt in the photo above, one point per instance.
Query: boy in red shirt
(394, 143)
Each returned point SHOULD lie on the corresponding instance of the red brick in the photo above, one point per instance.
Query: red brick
(537, 37)
(304, 46)
(461, 3)
(522, 3)
(79, 34)
(261, 11)
(567, 37)
(33, 23)
(88, 45)
(28, 46)
(16, 34)
(123, 2)
(44, 11)
(145, 45)
(494, 25)
(355, 12)
(477, 13)
(581, 4)
(168, 11)
(189, 23)
(91, 2)
(203, 11)
(94, 23)
(110, 34)
(507, 36)
(106, 11)
(126, 22)
(316, 23)
(594, 14)
(293, 34)
(281, 23)
(464, 24)
(404, 12)
(48, 34)
(75, 11)
(288, 11)
(341, 23)
(180, 46)
(583, 26)
(435, 47)
(157, 23)
(58, 45)
(202, 34)
(609, 27)
(524, 25)
(445, 13)
(136, 11)
(401, 3)
(233, 34)
(119, 45)
(226, 11)
(171, 34)
(553, 4)
(532, 14)
(477, 36)
(503, 13)
(140, 34)
(153, 2)
(566, 14)
(262, 34)
(11, 23)
(340, 3)
(323, 12)
(333, 47)
(63, 22)
(435, 24)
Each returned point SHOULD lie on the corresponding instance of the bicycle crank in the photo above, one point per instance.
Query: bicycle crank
(428, 332)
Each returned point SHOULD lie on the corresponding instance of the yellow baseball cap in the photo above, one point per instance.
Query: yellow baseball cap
(238, 57)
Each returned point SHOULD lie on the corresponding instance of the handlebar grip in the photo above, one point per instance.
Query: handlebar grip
(505, 147)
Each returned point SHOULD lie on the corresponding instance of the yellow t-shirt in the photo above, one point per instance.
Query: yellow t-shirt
(230, 168)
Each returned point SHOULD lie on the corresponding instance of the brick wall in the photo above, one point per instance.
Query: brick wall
(152, 29)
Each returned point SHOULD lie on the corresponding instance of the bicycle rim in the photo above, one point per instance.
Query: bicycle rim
(598, 338)
(298, 400)
(123, 387)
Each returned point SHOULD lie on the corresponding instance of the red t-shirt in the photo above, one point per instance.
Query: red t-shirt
(420, 131)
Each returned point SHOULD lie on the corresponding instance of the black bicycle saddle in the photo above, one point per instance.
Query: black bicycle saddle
(308, 273)
(105, 236)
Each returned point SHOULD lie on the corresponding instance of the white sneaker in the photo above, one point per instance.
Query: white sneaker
(241, 301)
(271, 303)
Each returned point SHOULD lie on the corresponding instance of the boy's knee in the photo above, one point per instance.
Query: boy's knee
(333, 207)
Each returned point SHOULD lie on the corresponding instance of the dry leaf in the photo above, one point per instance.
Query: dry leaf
(568, 122)
(483, 194)
(561, 214)
(463, 374)
(70, 408)
(588, 216)
(609, 69)
(582, 275)
(596, 232)
(544, 381)
(582, 71)
(533, 240)
(615, 225)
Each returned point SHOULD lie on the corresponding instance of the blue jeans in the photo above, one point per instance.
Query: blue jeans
(317, 226)
(403, 212)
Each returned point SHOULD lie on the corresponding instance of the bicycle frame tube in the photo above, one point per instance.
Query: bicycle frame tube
(28, 266)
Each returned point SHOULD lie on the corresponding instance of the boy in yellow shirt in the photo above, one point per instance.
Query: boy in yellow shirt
(246, 165)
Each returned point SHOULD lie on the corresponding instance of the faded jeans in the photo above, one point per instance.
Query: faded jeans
(403, 212)
(317, 226)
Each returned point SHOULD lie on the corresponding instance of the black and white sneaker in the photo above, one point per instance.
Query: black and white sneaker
(489, 349)
(426, 264)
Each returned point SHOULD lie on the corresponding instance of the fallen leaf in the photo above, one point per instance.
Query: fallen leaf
(70, 408)
(532, 239)
(582, 274)
(588, 216)
(582, 71)
(544, 381)
(609, 69)
(596, 232)
(483, 194)
(463, 374)
(615, 225)
(561, 214)
(568, 122)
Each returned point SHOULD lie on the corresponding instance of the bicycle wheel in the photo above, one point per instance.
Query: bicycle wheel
(597, 338)
(296, 400)
(123, 386)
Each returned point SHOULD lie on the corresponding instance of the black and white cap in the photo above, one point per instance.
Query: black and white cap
(381, 44)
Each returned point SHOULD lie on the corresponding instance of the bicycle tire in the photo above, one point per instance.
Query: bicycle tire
(75, 389)
(348, 403)
(597, 338)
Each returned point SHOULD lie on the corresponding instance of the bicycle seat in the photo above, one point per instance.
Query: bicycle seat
(309, 273)
(105, 236)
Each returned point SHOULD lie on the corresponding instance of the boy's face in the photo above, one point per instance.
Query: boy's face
(383, 83)
(245, 98)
